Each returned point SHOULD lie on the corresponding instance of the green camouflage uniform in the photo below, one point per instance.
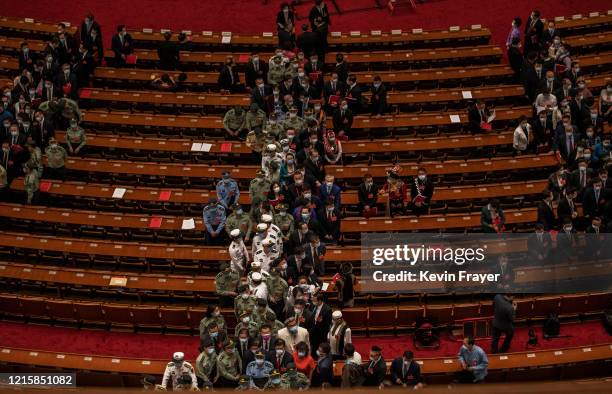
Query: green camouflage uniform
(229, 366)
(294, 381)
(56, 156)
(31, 183)
(75, 138)
(257, 119)
(226, 283)
(205, 363)
(234, 122)
(241, 305)
(297, 124)
(242, 222)
(258, 189)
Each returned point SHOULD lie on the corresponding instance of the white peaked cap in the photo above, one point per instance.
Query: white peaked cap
(271, 147)
(235, 232)
(268, 241)
(266, 218)
(178, 356)
(337, 314)
(256, 276)
(262, 227)
(255, 264)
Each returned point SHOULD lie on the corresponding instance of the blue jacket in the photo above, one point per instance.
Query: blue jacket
(477, 359)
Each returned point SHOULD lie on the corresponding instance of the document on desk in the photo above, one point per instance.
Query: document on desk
(119, 192)
(188, 224)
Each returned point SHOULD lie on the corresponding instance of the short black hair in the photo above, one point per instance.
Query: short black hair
(120, 28)
(470, 340)
(349, 349)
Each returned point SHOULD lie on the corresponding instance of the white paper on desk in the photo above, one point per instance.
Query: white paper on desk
(118, 192)
(188, 224)
(196, 147)
(467, 94)
(205, 147)
(491, 117)
(226, 39)
(455, 119)
(325, 286)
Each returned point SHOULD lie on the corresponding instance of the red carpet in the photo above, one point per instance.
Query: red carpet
(157, 346)
(251, 16)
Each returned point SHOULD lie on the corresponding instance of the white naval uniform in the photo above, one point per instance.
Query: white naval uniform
(173, 373)
(239, 255)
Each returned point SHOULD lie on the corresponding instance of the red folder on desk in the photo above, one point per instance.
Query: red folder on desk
(44, 186)
(155, 223)
(164, 195)
(131, 59)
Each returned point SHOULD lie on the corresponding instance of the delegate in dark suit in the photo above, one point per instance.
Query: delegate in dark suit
(593, 202)
(121, 44)
(375, 372)
(539, 246)
(255, 69)
(353, 98)
(343, 120)
(229, 79)
(378, 101)
(410, 374)
(503, 322)
(168, 53)
(321, 322)
(546, 215)
(308, 42)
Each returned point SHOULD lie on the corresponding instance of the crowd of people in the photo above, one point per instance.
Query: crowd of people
(287, 335)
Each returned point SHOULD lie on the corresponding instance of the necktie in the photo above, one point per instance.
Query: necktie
(582, 180)
(329, 189)
(596, 196)
(539, 237)
(278, 362)
(261, 91)
(14, 140)
(49, 94)
(256, 65)
(333, 86)
(266, 345)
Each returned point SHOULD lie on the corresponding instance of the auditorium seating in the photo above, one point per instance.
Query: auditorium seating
(60, 257)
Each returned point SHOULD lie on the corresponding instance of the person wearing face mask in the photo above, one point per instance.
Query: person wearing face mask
(175, 370)
(330, 222)
(343, 119)
(573, 73)
(566, 209)
(395, 193)
(368, 196)
(529, 76)
(594, 200)
(421, 192)
(515, 32)
(214, 217)
(259, 370)
(534, 28)
(229, 366)
(375, 369)
(238, 252)
(580, 178)
(88, 25)
(279, 356)
(566, 243)
(549, 83)
(17, 140)
(276, 71)
(320, 21)
(27, 58)
(293, 121)
(56, 158)
(31, 183)
(229, 79)
(244, 300)
(595, 242)
(121, 45)
(566, 144)
(205, 365)
(353, 94)
(293, 334)
(315, 166)
(602, 149)
(215, 335)
(245, 329)
(75, 137)
(303, 361)
(212, 314)
(605, 102)
(285, 24)
(49, 91)
(330, 191)
(378, 99)
(226, 282)
(241, 221)
(260, 92)
(523, 136)
(227, 189)
(406, 372)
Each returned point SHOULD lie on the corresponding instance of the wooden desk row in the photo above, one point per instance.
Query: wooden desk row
(348, 147)
(336, 39)
(138, 250)
(417, 55)
(211, 78)
(173, 223)
(340, 172)
(586, 40)
(31, 25)
(359, 122)
(219, 100)
(197, 197)
(205, 284)
(109, 364)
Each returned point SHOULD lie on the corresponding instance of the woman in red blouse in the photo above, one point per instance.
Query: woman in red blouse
(303, 361)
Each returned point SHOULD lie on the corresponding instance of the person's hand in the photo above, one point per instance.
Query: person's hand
(574, 215)
(123, 56)
(463, 365)
(514, 305)
(70, 149)
(418, 386)
(399, 381)
(77, 150)
(471, 369)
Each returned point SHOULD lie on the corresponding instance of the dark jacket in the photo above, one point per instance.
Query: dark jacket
(169, 57)
(410, 377)
(503, 313)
